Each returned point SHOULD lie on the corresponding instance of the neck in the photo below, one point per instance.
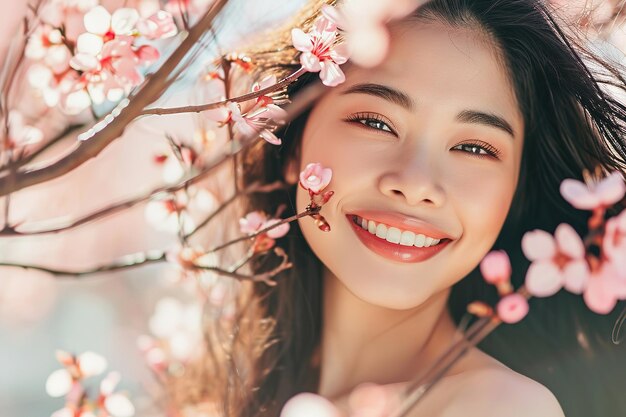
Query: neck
(362, 342)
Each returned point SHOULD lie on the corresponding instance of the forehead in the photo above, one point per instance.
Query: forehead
(444, 68)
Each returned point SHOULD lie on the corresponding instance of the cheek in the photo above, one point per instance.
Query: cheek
(482, 199)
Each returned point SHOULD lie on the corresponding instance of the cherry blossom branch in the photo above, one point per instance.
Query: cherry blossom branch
(255, 187)
(113, 126)
(142, 259)
(309, 211)
(29, 158)
(10, 231)
(416, 389)
(245, 97)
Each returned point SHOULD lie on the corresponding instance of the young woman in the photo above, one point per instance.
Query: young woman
(462, 135)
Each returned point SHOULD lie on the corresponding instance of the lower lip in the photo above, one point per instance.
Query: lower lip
(393, 251)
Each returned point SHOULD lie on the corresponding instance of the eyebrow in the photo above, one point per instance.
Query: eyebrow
(403, 100)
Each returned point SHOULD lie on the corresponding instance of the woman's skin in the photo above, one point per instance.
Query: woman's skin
(384, 320)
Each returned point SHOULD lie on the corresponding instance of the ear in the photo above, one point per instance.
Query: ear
(290, 172)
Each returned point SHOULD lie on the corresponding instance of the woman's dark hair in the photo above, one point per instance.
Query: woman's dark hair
(571, 125)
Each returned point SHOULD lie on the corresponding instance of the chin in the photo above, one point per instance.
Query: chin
(387, 292)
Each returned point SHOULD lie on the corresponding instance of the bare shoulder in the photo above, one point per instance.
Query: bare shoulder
(502, 392)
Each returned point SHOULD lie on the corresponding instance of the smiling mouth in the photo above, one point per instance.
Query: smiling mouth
(406, 248)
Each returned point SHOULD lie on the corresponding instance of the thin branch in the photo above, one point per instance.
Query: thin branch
(253, 188)
(307, 212)
(142, 259)
(249, 96)
(417, 388)
(29, 158)
(113, 126)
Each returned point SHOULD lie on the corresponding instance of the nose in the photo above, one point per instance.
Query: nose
(413, 181)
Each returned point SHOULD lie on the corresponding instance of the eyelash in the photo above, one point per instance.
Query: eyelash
(360, 117)
(491, 152)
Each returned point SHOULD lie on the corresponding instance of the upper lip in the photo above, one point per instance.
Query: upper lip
(403, 222)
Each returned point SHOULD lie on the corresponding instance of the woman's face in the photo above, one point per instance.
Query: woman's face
(429, 143)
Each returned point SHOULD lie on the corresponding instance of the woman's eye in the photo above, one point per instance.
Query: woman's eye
(371, 121)
(480, 150)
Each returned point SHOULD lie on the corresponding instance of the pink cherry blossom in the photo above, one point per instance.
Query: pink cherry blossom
(309, 405)
(115, 404)
(46, 45)
(179, 327)
(252, 222)
(160, 25)
(596, 193)
(258, 121)
(365, 25)
(257, 220)
(61, 381)
(315, 177)
(614, 242)
(558, 261)
(319, 52)
(66, 14)
(512, 308)
(600, 295)
(496, 267)
(21, 134)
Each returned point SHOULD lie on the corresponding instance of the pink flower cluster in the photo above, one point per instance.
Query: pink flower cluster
(496, 270)
(315, 178)
(68, 382)
(77, 64)
(365, 25)
(564, 260)
(261, 118)
(255, 221)
(320, 53)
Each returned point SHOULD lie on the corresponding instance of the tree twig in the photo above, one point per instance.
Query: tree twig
(249, 96)
(113, 126)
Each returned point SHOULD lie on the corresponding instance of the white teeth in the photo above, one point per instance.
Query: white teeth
(407, 238)
(420, 240)
(395, 235)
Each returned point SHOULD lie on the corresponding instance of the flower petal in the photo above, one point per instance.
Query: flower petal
(331, 74)
(340, 53)
(97, 20)
(108, 384)
(309, 405)
(569, 242)
(278, 231)
(310, 62)
(119, 405)
(91, 363)
(59, 383)
(578, 194)
(538, 244)
(598, 296)
(88, 43)
(576, 275)
(301, 41)
(611, 189)
(496, 267)
(543, 279)
(85, 62)
(124, 20)
(512, 308)
(270, 137)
